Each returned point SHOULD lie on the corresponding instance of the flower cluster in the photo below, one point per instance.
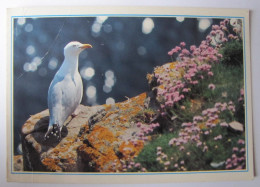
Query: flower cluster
(145, 130)
(238, 158)
(200, 130)
(169, 163)
(132, 166)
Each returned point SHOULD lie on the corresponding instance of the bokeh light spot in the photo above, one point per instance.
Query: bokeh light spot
(53, 63)
(28, 27)
(108, 28)
(91, 92)
(107, 89)
(180, 19)
(110, 101)
(147, 26)
(30, 50)
(109, 73)
(87, 73)
(204, 23)
(141, 50)
(21, 21)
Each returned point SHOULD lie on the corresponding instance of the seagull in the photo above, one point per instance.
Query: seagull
(66, 89)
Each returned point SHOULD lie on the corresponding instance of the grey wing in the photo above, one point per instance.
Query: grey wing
(55, 96)
(79, 89)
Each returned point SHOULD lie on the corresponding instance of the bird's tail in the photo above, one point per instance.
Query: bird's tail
(53, 131)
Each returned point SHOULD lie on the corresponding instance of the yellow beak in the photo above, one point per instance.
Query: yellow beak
(85, 46)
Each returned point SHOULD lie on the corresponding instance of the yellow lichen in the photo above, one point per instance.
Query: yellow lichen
(130, 150)
(51, 164)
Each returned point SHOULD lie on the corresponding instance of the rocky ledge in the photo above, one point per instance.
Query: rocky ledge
(99, 139)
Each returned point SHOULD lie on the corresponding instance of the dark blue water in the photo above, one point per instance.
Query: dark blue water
(124, 51)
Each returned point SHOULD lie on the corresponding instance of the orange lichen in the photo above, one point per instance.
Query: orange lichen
(104, 138)
(101, 135)
(51, 164)
(107, 107)
(130, 150)
(103, 162)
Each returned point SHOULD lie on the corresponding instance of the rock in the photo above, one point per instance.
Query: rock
(217, 164)
(18, 162)
(99, 139)
(236, 126)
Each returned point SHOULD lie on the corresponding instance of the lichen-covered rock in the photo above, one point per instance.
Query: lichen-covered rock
(18, 163)
(99, 139)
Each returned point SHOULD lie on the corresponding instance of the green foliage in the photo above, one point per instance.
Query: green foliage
(148, 156)
(232, 53)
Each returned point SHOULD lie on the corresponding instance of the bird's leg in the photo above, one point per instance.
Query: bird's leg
(54, 131)
(76, 112)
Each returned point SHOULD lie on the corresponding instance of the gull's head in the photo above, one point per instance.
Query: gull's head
(75, 48)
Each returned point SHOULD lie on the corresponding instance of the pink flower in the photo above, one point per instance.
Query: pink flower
(235, 149)
(210, 73)
(139, 124)
(220, 55)
(143, 170)
(192, 47)
(197, 118)
(242, 92)
(205, 148)
(226, 21)
(231, 36)
(199, 143)
(229, 166)
(186, 124)
(223, 124)
(167, 163)
(213, 33)
(170, 53)
(224, 28)
(239, 168)
(215, 27)
(185, 52)
(228, 161)
(242, 150)
(182, 44)
(208, 38)
(219, 137)
(241, 159)
(137, 165)
(177, 48)
(212, 86)
(182, 148)
(159, 148)
(224, 40)
(185, 90)
(154, 125)
(204, 112)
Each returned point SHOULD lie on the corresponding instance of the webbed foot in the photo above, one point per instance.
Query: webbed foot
(54, 131)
